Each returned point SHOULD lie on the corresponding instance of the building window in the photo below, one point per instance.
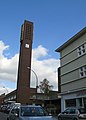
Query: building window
(82, 71)
(70, 102)
(81, 49)
(14, 97)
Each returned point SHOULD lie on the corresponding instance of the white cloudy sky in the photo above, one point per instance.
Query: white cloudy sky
(43, 66)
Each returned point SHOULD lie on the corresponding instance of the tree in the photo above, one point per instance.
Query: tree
(45, 87)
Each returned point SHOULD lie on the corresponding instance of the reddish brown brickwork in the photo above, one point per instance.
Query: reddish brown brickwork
(23, 80)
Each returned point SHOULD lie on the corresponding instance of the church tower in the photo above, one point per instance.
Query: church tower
(23, 78)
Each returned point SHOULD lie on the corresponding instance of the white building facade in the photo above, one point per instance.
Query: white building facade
(73, 71)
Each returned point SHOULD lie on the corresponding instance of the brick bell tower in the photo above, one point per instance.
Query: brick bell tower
(23, 78)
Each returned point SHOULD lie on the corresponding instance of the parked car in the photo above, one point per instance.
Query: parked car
(73, 113)
(10, 106)
(3, 108)
(29, 112)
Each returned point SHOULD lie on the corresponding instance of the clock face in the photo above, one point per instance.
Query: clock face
(27, 45)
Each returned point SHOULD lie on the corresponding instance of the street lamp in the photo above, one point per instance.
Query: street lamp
(5, 89)
(36, 79)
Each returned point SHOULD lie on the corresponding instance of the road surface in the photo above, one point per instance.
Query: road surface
(3, 116)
